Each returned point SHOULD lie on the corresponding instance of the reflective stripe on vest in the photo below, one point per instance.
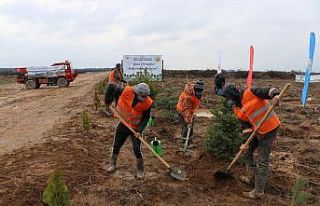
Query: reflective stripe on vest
(255, 108)
(132, 115)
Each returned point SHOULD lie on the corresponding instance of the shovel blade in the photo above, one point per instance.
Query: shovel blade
(178, 174)
(222, 175)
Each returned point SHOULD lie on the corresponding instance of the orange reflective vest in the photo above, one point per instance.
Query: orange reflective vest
(132, 115)
(253, 110)
(112, 76)
(187, 103)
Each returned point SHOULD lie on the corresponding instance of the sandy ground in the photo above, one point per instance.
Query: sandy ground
(57, 141)
(27, 114)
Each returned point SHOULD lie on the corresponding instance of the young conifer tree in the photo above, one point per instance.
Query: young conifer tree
(85, 120)
(56, 192)
(299, 194)
(223, 137)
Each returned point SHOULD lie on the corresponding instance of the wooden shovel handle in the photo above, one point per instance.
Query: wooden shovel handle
(286, 87)
(137, 135)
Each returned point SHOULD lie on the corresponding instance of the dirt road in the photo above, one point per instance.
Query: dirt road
(27, 114)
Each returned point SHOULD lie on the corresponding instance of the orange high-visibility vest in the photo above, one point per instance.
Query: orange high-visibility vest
(112, 77)
(132, 115)
(187, 102)
(254, 109)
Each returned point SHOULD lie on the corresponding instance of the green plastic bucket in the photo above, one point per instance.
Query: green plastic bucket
(157, 147)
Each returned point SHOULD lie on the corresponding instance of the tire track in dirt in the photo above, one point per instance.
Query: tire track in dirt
(27, 114)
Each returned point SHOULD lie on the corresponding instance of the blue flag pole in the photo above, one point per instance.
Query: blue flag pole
(304, 95)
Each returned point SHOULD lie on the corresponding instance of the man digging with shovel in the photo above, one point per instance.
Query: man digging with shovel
(189, 101)
(250, 106)
(134, 105)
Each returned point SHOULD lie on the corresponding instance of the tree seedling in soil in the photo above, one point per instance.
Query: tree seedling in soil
(101, 86)
(167, 104)
(85, 120)
(223, 137)
(56, 192)
(96, 100)
(299, 194)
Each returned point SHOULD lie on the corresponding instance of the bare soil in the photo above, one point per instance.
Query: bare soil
(41, 131)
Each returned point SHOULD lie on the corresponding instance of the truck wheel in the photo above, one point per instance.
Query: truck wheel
(62, 82)
(31, 84)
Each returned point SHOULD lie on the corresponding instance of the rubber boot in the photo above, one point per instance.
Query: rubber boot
(140, 168)
(107, 111)
(113, 164)
(259, 183)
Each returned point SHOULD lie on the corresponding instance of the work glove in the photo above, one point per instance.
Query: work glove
(124, 81)
(275, 100)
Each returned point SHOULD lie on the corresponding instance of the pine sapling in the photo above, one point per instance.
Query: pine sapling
(85, 120)
(56, 192)
(223, 132)
(96, 100)
(299, 194)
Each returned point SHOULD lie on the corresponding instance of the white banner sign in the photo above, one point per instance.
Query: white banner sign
(313, 78)
(136, 65)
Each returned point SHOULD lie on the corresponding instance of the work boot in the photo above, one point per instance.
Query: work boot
(261, 178)
(113, 164)
(140, 168)
(107, 111)
(252, 194)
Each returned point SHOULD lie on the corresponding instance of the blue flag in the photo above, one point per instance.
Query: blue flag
(304, 95)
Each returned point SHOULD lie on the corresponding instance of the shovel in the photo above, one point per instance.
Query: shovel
(184, 150)
(174, 172)
(226, 174)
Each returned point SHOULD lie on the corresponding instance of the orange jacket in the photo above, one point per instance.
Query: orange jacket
(187, 105)
(112, 76)
(132, 115)
(253, 110)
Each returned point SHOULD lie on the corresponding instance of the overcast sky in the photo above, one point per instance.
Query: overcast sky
(96, 33)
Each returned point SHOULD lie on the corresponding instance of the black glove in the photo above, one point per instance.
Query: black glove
(124, 81)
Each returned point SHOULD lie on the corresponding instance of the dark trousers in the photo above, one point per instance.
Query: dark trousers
(122, 132)
(184, 128)
(218, 90)
(110, 93)
(260, 166)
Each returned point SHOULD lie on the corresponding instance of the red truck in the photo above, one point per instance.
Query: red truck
(60, 74)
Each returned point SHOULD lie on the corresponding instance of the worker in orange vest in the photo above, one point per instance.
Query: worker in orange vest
(250, 105)
(189, 101)
(115, 79)
(134, 105)
(115, 75)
